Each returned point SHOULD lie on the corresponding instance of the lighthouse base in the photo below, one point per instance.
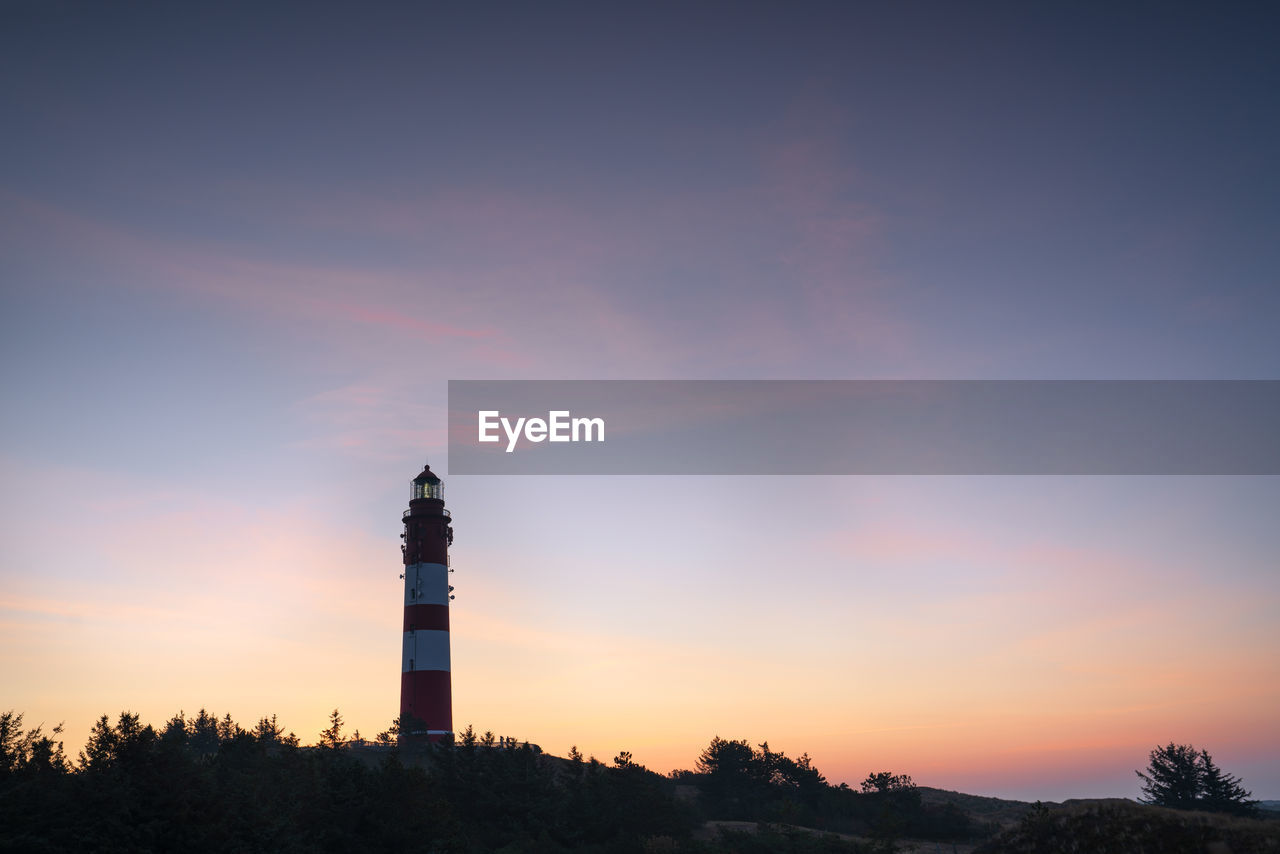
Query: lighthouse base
(426, 704)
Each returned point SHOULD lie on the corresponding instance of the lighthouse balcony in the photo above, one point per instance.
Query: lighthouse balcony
(406, 514)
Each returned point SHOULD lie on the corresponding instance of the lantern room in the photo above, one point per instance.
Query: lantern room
(426, 485)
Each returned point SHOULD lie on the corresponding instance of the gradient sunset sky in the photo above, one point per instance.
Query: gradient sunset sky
(243, 249)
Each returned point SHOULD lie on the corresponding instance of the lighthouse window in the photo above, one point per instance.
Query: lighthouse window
(427, 490)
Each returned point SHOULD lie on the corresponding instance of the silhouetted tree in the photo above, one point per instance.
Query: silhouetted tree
(1182, 777)
(725, 758)
(202, 734)
(269, 731)
(728, 784)
(886, 781)
(175, 730)
(1173, 777)
(808, 781)
(1223, 792)
(331, 738)
(894, 801)
(403, 728)
(228, 729)
(13, 746)
(100, 750)
(762, 784)
(28, 751)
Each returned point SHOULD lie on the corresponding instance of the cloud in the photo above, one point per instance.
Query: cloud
(326, 293)
(761, 272)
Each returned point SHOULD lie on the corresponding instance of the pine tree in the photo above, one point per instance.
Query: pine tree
(175, 730)
(202, 732)
(29, 750)
(1222, 792)
(1173, 778)
(332, 737)
(12, 742)
(1182, 777)
(100, 750)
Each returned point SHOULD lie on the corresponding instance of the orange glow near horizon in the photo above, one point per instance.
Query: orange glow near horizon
(270, 611)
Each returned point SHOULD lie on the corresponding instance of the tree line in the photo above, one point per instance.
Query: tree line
(206, 783)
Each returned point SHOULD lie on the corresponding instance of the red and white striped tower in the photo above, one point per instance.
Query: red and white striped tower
(426, 698)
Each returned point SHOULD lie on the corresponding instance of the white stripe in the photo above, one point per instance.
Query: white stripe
(426, 584)
(425, 649)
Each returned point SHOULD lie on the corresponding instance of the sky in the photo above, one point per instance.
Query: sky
(243, 249)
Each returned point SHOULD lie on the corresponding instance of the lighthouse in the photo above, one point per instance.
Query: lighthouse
(426, 699)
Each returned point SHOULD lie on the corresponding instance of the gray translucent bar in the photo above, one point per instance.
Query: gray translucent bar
(918, 427)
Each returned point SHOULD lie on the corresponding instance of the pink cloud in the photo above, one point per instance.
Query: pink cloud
(323, 293)
(524, 283)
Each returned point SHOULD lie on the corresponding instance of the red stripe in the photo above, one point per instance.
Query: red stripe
(427, 695)
(426, 618)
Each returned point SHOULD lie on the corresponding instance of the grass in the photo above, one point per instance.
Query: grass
(1117, 827)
